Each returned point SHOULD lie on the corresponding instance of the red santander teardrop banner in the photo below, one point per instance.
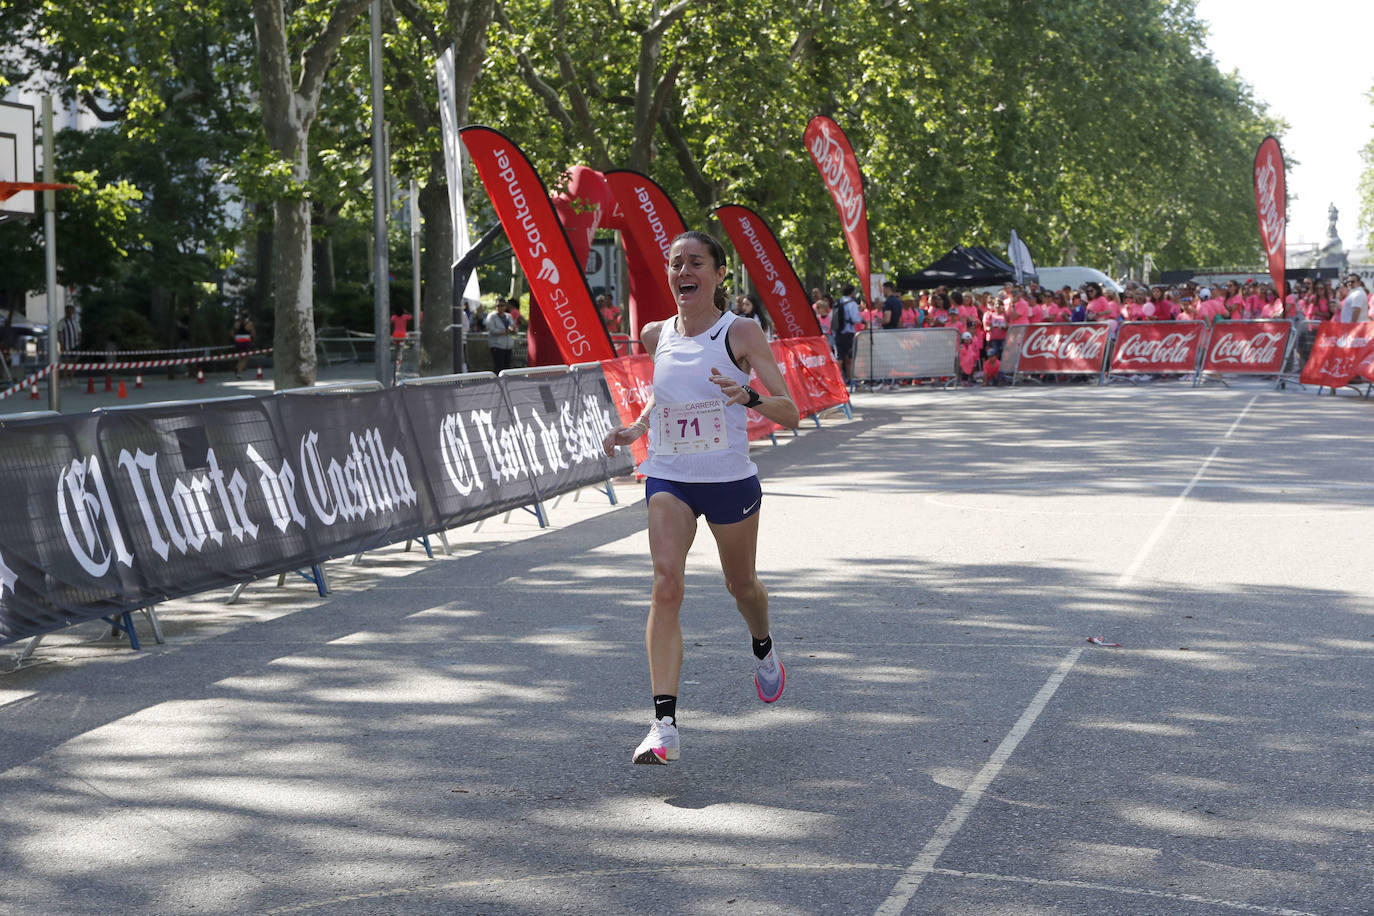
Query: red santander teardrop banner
(648, 221)
(834, 157)
(557, 284)
(1271, 201)
(774, 278)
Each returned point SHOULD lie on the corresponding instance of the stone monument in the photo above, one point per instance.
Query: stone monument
(1332, 251)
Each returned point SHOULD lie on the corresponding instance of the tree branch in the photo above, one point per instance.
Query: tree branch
(317, 58)
(705, 190)
(582, 111)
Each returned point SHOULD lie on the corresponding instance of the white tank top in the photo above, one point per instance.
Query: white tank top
(684, 392)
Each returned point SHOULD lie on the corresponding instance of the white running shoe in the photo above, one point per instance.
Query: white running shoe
(660, 745)
(770, 677)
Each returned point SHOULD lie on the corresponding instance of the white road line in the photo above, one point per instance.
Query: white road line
(911, 880)
(1241, 417)
(1155, 535)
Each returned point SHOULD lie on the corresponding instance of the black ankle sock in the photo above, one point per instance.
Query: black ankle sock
(763, 646)
(665, 705)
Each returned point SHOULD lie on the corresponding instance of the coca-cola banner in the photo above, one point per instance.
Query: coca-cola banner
(774, 278)
(648, 222)
(812, 374)
(1247, 347)
(1342, 352)
(631, 383)
(1271, 201)
(1158, 347)
(906, 353)
(834, 157)
(111, 512)
(557, 284)
(1072, 349)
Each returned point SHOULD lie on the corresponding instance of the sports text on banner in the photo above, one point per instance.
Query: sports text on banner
(557, 284)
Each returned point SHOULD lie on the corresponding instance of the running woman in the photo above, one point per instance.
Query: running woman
(698, 465)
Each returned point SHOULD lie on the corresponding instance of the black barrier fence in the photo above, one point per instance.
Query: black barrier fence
(117, 510)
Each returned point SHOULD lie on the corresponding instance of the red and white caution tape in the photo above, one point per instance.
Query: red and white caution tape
(157, 363)
(26, 383)
(109, 353)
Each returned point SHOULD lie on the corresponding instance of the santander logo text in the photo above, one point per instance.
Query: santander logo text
(1257, 350)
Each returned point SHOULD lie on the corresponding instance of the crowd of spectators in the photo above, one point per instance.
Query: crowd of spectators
(982, 317)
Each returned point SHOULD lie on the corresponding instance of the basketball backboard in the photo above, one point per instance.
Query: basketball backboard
(16, 158)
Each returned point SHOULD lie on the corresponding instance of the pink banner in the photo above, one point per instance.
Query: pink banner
(1158, 347)
(1241, 347)
(777, 283)
(1272, 202)
(1063, 348)
(1342, 352)
(557, 283)
(834, 157)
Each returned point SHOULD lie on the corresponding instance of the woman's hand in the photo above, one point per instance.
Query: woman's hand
(734, 392)
(623, 435)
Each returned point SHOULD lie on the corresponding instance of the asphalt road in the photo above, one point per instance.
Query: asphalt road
(454, 735)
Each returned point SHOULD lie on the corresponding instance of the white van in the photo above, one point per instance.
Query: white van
(1074, 277)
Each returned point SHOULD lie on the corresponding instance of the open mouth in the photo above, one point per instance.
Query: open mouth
(686, 288)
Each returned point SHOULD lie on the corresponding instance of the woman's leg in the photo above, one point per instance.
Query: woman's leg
(672, 528)
(737, 544)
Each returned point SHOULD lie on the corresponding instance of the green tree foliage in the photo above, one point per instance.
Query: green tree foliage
(1101, 131)
(150, 228)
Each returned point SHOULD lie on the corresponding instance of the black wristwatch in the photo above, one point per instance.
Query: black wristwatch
(754, 399)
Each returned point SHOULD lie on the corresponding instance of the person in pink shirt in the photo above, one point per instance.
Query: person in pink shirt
(1020, 309)
(939, 311)
(1232, 298)
(911, 318)
(969, 357)
(1099, 306)
(995, 325)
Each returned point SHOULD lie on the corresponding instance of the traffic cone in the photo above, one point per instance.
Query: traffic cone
(33, 392)
(260, 372)
(90, 384)
(109, 383)
(138, 380)
(122, 392)
(200, 376)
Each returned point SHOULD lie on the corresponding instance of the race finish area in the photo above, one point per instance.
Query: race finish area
(454, 735)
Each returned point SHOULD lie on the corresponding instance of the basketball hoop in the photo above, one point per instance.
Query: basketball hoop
(10, 188)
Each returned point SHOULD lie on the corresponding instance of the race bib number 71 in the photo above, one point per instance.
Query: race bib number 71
(685, 429)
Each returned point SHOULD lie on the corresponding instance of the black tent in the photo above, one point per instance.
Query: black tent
(962, 266)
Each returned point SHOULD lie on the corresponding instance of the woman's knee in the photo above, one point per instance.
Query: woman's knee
(744, 586)
(669, 585)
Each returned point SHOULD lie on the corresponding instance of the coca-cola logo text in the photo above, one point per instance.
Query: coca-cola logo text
(1271, 216)
(843, 183)
(1045, 342)
(1175, 348)
(1259, 349)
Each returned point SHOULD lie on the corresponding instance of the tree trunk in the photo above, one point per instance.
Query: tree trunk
(293, 336)
(289, 107)
(325, 279)
(437, 298)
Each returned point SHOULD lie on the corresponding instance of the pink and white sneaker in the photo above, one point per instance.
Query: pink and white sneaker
(661, 745)
(770, 677)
